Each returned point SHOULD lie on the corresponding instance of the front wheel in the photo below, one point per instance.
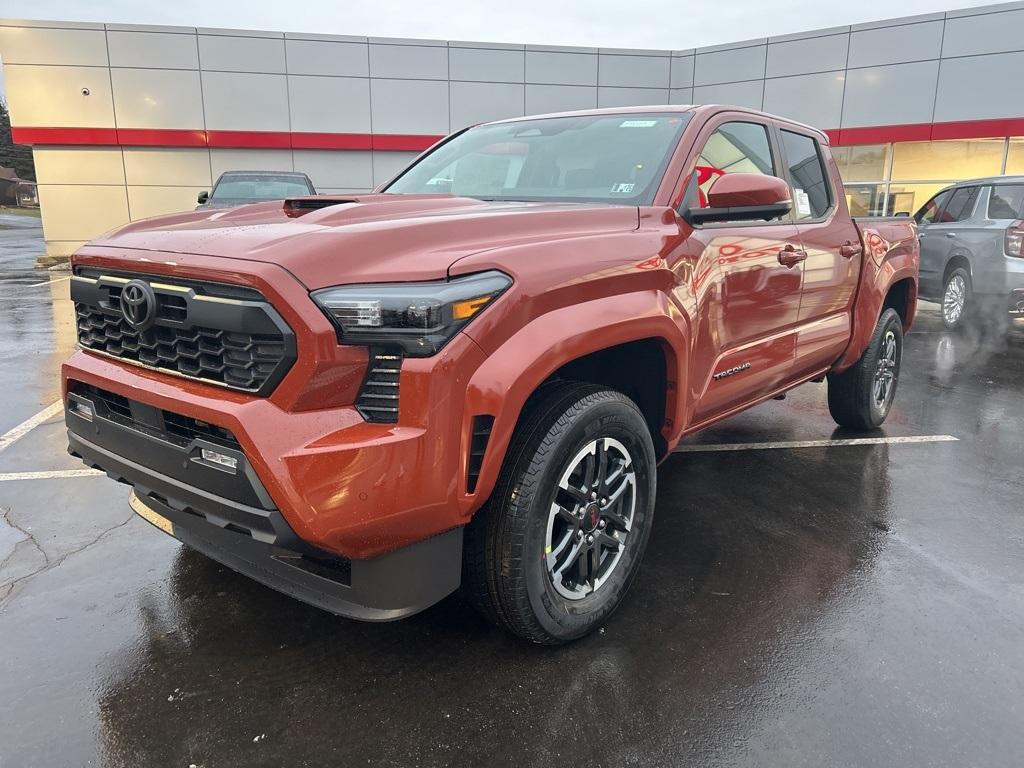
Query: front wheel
(552, 554)
(861, 396)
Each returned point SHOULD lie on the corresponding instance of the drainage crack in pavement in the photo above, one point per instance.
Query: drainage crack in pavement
(13, 586)
(4, 515)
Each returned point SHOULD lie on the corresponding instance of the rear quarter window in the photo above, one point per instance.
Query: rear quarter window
(1006, 202)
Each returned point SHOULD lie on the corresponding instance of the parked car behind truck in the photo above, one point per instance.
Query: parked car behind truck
(234, 188)
(972, 249)
(471, 376)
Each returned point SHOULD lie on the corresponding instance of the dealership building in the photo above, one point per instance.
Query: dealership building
(132, 121)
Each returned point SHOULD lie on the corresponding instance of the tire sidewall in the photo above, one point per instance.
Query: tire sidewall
(558, 616)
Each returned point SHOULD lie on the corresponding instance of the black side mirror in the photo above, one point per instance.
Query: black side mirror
(203, 198)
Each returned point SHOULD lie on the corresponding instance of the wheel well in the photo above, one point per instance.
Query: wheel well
(899, 297)
(637, 369)
(953, 263)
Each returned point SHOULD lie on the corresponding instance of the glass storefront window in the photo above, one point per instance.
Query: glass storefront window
(907, 198)
(1015, 157)
(923, 160)
(866, 199)
(866, 162)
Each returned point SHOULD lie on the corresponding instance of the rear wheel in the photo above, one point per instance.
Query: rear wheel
(957, 299)
(552, 554)
(861, 396)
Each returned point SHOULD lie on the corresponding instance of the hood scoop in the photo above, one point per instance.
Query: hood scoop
(299, 206)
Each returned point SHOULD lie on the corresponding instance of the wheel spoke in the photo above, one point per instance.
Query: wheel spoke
(567, 515)
(570, 561)
(602, 467)
(554, 554)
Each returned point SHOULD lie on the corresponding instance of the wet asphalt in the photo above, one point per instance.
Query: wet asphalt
(831, 606)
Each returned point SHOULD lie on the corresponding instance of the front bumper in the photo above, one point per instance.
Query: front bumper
(239, 525)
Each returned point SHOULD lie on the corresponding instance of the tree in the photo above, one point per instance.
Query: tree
(16, 156)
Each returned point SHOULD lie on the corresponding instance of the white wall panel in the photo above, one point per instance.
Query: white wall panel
(634, 71)
(167, 166)
(682, 71)
(681, 96)
(144, 202)
(317, 57)
(561, 68)
(500, 66)
(729, 66)
(335, 170)
(153, 49)
(249, 160)
(899, 93)
(78, 165)
(559, 98)
(978, 87)
(631, 97)
(473, 103)
(241, 54)
(329, 104)
(990, 33)
(157, 98)
(81, 211)
(387, 164)
(64, 103)
(813, 99)
(78, 47)
(746, 94)
(815, 54)
(409, 106)
(245, 102)
(891, 45)
(421, 62)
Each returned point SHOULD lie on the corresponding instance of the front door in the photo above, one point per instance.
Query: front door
(747, 279)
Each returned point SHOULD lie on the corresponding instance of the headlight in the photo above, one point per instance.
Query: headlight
(419, 317)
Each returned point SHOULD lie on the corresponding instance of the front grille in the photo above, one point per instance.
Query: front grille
(226, 335)
(378, 397)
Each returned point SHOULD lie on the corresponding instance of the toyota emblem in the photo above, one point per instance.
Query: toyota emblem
(138, 304)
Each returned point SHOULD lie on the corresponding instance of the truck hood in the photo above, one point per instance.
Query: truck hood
(365, 238)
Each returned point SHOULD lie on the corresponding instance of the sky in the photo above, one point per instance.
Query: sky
(663, 24)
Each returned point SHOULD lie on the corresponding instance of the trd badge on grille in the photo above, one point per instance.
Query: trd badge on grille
(138, 304)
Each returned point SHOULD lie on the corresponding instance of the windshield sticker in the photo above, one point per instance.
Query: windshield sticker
(803, 203)
(638, 123)
(623, 189)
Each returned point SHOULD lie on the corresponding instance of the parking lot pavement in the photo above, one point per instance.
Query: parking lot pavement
(805, 605)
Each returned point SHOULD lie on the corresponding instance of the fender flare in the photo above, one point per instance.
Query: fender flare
(512, 372)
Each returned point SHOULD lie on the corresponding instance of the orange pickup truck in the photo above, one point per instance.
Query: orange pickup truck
(470, 376)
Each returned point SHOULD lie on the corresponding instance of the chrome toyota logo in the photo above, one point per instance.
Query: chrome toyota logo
(138, 304)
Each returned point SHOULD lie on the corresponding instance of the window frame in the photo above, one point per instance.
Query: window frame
(826, 172)
(706, 132)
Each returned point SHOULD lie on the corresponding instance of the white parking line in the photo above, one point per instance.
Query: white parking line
(9, 438)
(814, 443)
(50, 474)
(49, 282)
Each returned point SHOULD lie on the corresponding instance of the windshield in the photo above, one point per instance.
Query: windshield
(591, 158)
(259, 186)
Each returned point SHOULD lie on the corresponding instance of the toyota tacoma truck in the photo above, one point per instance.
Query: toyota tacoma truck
(470, 376)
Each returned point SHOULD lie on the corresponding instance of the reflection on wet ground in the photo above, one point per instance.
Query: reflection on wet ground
(827, 606)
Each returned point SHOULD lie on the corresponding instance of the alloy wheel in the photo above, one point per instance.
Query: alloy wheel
(953, 299)
(590, 518)
(885, 372)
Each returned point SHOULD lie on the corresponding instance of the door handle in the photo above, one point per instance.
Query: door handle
(790, 256)
(950, 234)
(848, 250)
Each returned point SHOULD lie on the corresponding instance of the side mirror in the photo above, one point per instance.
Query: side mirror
(203, 198)
(743, 197)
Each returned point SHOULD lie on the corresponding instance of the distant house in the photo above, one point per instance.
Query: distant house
(16, 191)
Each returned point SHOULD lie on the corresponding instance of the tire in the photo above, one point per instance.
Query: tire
(854, 395)
(957, 299)
(519, 566)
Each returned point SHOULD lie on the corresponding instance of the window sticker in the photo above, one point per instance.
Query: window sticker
(803, 203)
(623, 189)
(638, 123)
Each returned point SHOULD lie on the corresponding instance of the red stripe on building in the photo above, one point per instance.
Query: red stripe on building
(392, 142)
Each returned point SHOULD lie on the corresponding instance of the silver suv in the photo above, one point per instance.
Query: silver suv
(972, 248)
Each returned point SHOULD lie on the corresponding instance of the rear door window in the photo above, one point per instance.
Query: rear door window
(931, 211)
(1006, 202)
(811, 194)
(960, 205)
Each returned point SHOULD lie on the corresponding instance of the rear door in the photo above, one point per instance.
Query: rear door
(748, 300)
(832, 243)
